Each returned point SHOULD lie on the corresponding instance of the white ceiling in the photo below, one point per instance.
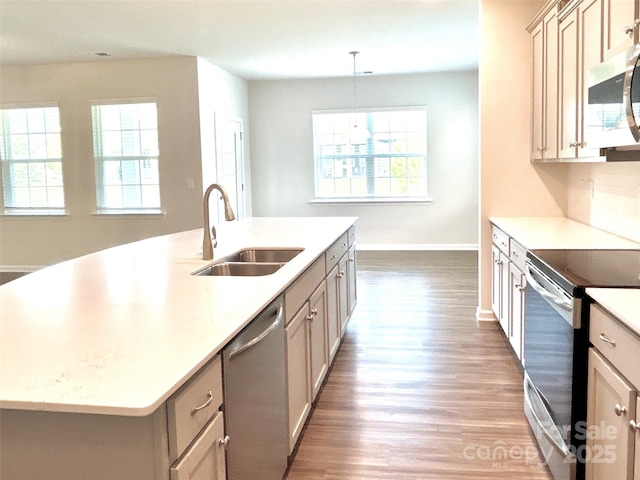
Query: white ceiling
(254, 39)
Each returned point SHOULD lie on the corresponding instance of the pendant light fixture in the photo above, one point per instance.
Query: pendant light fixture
(355, 134)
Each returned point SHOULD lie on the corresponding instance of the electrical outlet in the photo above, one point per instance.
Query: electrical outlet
(190, 184)
(590, 188)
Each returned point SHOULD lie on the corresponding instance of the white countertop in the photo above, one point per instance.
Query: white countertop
(622, 303)
(558, 233)
(118, 331)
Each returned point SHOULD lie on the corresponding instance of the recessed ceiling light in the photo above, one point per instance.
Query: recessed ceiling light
(102, 54)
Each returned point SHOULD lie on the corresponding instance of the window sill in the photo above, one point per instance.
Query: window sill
(34, 213)
(151, 213)
(370, 201)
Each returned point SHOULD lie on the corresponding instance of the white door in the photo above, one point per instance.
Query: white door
(230, 163)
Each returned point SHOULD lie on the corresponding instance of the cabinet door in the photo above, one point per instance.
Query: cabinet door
(298, 374)
(550, 129)
(537, 92)
(516, 312)
(611, 403)
(319, 343)
(496, 281)
(205, 460)
(351, 276)
(636, 432)
(568, 86)
(333, 312)
(590, 43)
(620, 31)
(343, 294)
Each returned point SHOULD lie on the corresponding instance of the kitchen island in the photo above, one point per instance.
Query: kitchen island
(91, 349)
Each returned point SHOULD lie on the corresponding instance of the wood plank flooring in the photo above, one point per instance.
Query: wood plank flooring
(419, 389)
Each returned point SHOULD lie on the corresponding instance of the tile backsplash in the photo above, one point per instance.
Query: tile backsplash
(606, 196)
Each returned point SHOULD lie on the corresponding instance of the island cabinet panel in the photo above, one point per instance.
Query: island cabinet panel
(298, 374)
(73, 446)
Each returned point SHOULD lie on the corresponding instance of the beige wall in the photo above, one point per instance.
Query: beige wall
(27, 242)
(282, 156)
(509, 184)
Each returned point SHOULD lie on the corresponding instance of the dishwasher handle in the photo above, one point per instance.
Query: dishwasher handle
(278, 315)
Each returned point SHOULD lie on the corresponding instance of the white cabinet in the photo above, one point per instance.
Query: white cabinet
(507, 287)
(580, 48)
(544, 102)
(206, 457)
(351, 280)
(612, 400)
(298, 374)
(319, 340)
(621, 25)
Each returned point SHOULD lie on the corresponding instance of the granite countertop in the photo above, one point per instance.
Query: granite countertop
(118, 331)
(622, 303)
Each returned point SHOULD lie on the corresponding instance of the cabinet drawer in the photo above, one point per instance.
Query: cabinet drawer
(205, 458)
(190, 408)
(335, 251)
(615, 343)
(500, 239)
(351, 234)
(303, 287)
(517, 254)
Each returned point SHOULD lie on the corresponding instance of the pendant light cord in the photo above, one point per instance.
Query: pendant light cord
(355, 104)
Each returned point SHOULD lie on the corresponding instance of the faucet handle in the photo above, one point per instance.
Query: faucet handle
(214, 240)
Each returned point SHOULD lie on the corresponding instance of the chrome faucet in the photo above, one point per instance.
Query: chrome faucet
(209, 241)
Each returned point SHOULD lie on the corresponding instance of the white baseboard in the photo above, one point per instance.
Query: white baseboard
(411, 247)
(485, 315)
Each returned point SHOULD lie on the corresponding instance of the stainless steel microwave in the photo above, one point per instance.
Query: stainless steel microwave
(613, 110)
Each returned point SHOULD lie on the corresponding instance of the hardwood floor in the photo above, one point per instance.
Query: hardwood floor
(419, 389)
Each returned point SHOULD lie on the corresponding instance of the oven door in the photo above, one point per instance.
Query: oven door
(549, 374)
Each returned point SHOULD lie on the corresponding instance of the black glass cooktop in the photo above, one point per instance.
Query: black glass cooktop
(576, 270)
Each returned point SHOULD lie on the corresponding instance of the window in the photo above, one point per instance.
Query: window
(31, 157)
(125, 145)
(390, 165)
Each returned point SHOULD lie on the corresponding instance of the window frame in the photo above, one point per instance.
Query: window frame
(98, 162)
(370, 199)
(35, 211)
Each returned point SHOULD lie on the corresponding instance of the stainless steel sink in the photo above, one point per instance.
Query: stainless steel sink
(250, 262)
(263, 255)
(239, 269)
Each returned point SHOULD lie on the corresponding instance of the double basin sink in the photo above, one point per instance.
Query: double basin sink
(250, 262)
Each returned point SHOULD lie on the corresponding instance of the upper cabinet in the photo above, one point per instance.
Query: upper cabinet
(621, 25)
(568, 38)
(544, 118)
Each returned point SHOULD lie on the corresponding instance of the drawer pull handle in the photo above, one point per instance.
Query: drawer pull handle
(340, 274)
(204, 405)
(314, 312)
(606, 339)
(634, 426)
(224, 442)
(620, 410)
(333, 257)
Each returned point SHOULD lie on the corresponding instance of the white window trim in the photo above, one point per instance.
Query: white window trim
(36, 212)
(369, 200)
(130, 212)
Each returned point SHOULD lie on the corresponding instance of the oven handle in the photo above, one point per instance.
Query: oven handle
(544, 293)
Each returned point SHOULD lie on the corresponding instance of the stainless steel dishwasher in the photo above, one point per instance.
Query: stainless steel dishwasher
(255, 402)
